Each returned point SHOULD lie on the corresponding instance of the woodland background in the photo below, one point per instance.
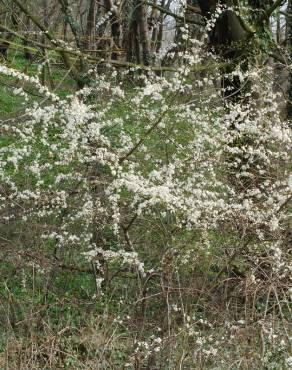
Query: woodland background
(156, 289)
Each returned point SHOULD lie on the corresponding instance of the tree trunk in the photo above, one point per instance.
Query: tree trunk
(144, 34)
(154, 25)
(289, 46)
(131, 33)
(46, 22)
(75, 27)
(227, 39)
(115, 27)
(160, 28)
(27, 53)
(4, 45)
(90, 24)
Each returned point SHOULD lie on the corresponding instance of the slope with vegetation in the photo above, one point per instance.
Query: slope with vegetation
(145, 189)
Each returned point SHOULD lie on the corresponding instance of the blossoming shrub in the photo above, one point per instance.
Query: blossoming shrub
(176, 198)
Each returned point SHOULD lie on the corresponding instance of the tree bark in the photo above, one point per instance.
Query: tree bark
(75, 27)
(131, 33)
(144, 34)
(4, 46)
(90, 23)
(115, 27)
(27, 53)
(227, 39)
(289, 46)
